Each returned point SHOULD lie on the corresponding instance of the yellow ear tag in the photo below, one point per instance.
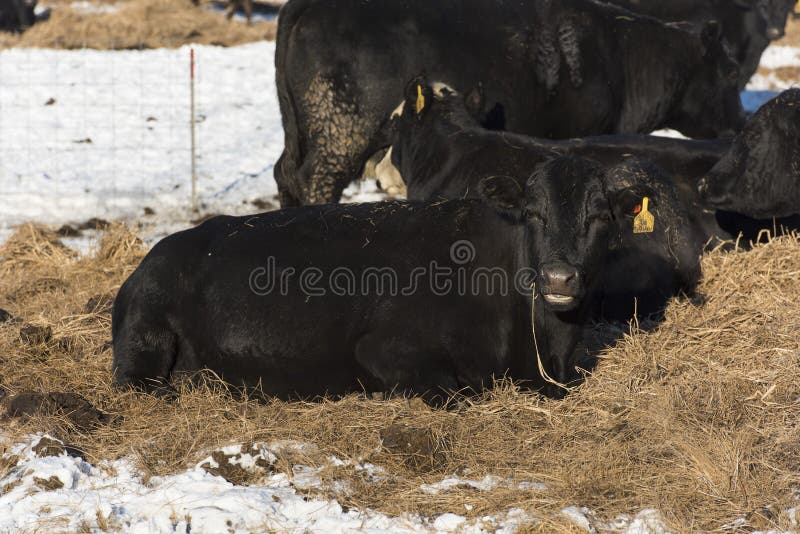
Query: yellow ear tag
(420, 100)
(644, 222)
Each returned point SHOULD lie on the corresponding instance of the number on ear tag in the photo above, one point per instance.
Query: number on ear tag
(420, 100)
(644, 221)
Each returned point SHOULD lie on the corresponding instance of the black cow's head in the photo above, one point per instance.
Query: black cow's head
(770, 15)
(775, 12)
(427, 103)
(431, 110)
(760, 174)
(565, 210)
(710, 105)
(17, 15)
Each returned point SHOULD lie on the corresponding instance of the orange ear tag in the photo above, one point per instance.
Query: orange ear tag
(644, 222)
(420, 100)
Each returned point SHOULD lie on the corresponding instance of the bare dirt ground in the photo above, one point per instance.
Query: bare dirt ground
(697, 419)
(134, 24)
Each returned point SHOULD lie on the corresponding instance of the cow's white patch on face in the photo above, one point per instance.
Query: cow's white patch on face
(441, 90)
(389, 177)
(398, 110)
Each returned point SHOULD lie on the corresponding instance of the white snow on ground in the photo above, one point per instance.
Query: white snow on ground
(780, 56)
(115, 495)
(90, 8)
(647, 521)
(105, 134)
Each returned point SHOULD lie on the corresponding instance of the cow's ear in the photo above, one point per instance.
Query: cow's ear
(504, 193)
(474, 100)
(627, 184)
(418, 95)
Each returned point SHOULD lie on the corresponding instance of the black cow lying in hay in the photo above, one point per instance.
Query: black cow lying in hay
(760, 174)
(286, 301)
(443, 152)
(552, 69)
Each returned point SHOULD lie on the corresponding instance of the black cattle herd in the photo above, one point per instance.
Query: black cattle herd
(536, 203)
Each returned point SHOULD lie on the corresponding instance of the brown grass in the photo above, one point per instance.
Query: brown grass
(699, 419)
(792, 37)
(138, 24)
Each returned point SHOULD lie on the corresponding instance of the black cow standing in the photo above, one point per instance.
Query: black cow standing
(553, 69)
(282, 300)
(17, 15)
(442, 152)
(748, 26)
(760, 175)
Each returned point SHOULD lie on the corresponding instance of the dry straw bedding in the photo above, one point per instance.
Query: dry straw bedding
(138, 24)
(698, 418)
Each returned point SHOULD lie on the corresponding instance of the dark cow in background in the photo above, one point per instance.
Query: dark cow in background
(209, 298)
(551, 69)
(760, 175)
(443, 152)
(748, 26)
(17, 15)
(233, 5)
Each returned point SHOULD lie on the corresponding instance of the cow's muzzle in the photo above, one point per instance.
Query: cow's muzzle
(560, 285)
(774, 33)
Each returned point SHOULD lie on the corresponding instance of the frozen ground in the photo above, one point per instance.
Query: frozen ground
(64, 493)
(106, 134)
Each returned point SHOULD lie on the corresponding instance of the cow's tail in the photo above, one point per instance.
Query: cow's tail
(286, 168)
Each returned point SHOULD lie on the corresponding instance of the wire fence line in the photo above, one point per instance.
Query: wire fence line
(109, 130)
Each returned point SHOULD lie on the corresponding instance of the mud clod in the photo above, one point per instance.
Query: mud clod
(49, 484)
(95, 224)
(100, 304)
(34, 335)
(68, 230)
(418, 446)
(236, 469)
(78, 411)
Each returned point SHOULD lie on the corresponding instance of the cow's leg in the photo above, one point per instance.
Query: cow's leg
(248, 10)
(144, 355)
(231, 9)
(398, 364)
(339, 139)
(287, 197)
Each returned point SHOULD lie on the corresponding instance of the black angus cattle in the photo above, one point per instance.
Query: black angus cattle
(17, 15)
(442, 152)
(551, 69)
(760, 174)
(748, 26)
(685, 161)
(241, 295)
